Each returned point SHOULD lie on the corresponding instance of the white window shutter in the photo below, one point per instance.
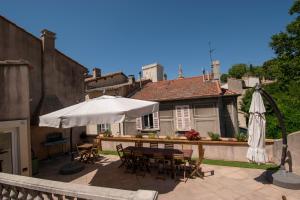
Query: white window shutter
(138, 123)
(179, 119)
(183, 118)
(186, 118)
(155, 120)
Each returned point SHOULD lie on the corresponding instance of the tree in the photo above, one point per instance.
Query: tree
(224, 78)
(287, 47)
(285, 68)
(238, 70)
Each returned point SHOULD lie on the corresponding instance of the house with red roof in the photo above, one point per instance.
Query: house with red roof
(187, 103)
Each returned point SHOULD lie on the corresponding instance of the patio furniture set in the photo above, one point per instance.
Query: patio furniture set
(167, 160)
(87, 152)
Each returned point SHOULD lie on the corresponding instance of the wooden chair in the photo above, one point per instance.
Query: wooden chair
(160, 163)
(82, 154)
(140, 162)
(169, 146)
(95, 150)
(120, 152)
(138, 144)
(179, 164)
(187, 147)
(154, 145)
(195, 166)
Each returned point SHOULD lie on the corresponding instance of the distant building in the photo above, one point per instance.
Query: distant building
(153, 72)
(240, 86)
(187, 103)
(114, 84)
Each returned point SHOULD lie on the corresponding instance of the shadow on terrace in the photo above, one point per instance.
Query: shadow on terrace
(105, 173)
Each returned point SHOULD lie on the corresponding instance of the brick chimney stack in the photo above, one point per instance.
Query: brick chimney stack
(96, 72)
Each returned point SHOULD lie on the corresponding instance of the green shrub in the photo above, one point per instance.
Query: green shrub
(152, 135)
(168, 137)
(107, 133)
(214, 136)
(241, 137)
(138, 136)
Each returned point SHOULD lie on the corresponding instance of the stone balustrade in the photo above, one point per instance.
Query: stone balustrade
(16, 187)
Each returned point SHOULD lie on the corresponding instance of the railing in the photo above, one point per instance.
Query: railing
(27, 188)
(174, 141)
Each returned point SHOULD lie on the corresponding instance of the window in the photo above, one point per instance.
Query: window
(183, 121)
(103, 127)
(150, 121)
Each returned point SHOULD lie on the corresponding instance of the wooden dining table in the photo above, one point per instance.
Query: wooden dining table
(147, 151)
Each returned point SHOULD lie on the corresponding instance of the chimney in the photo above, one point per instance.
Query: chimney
(48, 51)
(165, 77)
(216, 70)
(131, 79)
(48, 40)
(96, 72)
(180, 73)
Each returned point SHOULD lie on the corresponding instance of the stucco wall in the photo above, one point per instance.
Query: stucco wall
(17, 44)
(14, 108)
(14, 87)
(58, 77)
(293, 155)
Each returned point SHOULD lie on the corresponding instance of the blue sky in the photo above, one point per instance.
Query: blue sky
(124, 35)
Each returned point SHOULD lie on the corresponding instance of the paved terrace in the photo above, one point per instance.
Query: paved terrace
(227, 183)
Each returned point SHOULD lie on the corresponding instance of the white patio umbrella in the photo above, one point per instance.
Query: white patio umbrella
(256, 130)
(101, 110)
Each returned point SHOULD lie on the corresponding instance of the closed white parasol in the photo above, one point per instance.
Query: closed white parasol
(257, 130)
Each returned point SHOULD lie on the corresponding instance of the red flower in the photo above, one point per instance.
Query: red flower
(192, 135)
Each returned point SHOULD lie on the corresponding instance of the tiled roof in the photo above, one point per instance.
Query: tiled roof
(186, 88)
(91, 78)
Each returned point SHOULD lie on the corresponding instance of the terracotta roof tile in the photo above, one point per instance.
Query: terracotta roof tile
(186, 88)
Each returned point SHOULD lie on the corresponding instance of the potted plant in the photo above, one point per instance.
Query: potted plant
(192, 135)
(214, 136)
(107, 133)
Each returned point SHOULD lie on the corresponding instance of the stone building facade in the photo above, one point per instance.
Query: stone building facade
(55, 81)
(185, 104)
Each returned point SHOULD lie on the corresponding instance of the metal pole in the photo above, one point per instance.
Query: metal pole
(281, 123)
(71, 144)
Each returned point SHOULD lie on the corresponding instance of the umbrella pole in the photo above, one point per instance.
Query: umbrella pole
(281, 124)
(71, 144)
(281, 178)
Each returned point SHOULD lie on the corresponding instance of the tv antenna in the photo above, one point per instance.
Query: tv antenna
(210, 53)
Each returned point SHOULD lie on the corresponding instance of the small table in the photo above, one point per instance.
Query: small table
(85, 146)
(89, 150)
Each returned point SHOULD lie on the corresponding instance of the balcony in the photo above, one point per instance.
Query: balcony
(22, 187)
